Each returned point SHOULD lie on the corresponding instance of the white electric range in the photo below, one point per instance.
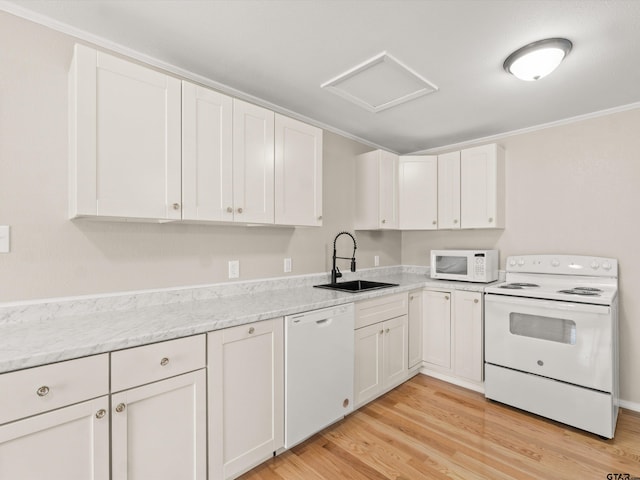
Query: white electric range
(551, 339)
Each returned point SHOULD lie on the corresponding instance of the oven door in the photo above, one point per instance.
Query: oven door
(565, 341)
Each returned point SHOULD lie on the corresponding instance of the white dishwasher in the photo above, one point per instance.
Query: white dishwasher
(319, 359)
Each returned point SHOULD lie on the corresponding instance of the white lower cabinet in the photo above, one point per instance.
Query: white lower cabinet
(452, 335)
(246, 397)
(159, 421)
(436, 332)
(381, 346)
(159, 430)
(415, 330)
(54, 421)
(68, 443)
(468, 356)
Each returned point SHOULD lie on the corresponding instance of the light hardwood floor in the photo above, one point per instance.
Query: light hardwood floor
(429, 429)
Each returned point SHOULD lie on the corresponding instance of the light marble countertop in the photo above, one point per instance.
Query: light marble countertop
(38, 333)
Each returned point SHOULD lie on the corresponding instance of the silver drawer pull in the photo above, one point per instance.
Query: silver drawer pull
(101, 413)
(164, 362)
(43, 391)
(251, 330)
(120, 408)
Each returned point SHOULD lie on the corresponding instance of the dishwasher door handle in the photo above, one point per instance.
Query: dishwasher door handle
(324, 322)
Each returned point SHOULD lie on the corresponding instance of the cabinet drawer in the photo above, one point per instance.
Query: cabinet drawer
(379, 309)
(36, 390)
(149, 363)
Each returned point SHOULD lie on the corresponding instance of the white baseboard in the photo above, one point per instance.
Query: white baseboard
(629, 405)
(454, 380)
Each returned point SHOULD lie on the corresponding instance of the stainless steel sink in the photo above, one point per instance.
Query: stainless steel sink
(356, 286)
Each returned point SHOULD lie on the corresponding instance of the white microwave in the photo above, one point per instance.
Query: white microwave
(465, 265)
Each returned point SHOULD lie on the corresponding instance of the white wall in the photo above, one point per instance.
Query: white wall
(52, 256)
(572, 189)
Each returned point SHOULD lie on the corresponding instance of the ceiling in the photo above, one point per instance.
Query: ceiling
(279, 52)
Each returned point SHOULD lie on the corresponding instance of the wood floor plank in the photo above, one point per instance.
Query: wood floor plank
(429, 429)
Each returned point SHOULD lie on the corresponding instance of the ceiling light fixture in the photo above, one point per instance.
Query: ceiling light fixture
(538, 59)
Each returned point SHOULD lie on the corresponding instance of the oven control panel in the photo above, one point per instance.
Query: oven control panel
(564, 265)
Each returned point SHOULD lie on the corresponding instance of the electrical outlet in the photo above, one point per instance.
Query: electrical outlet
(287, 265)
(234, 268)
(376, 261)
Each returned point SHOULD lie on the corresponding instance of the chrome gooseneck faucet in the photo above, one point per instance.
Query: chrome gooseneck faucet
(335, 271)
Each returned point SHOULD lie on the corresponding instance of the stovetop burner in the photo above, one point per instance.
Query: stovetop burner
(518, 285)
(588, 289)
(584, 291)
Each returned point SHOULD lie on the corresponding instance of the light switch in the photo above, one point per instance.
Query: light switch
(5, 233)
(287, 265)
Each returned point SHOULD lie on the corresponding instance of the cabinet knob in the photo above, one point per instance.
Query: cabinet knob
(320, 217)
(229, 210)
(386, 331)
(490, 219)
(164, 362)
(435, 222)
(381, 332)
(251, 330)
(384, 221)
(475, 300)
(239, 209)
(455, 221)
(43, 391)
(120, 408)
(101, 413)
(176, 206)
(446, 297)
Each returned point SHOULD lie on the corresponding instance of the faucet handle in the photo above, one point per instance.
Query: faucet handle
(338, 273)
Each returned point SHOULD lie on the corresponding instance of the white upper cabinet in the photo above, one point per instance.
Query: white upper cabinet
(418, 192)
(482, 187)
(471, 188)
(298, 173)
(124, 139)
(376, 191)
(449, 190)
(207, 162)
(253, 163)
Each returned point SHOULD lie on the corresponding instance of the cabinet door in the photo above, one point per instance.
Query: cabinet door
(253, 163)
(415, 329)
(68, 443)
(298, 173)
(449, 191)
(482, 187)
(246, 399)
(207, 122)
(159, 430)
(468, 353)
(395, 347)
(368, 369)
(418, 192)
(125, 139)
(388, 190)
(436, 345)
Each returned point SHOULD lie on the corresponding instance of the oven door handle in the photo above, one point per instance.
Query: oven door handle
(546, 304)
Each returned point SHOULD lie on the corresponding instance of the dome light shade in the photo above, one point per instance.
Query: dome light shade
(538, 59)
